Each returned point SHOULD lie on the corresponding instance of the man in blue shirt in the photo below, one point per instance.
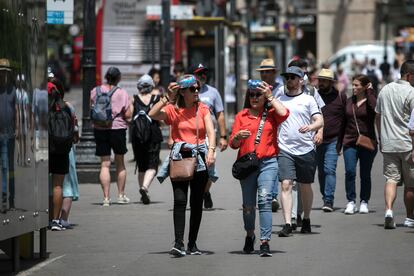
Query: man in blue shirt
(211, 97)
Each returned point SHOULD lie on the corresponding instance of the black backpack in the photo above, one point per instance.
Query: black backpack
(61, 128)
(141, 122)
(374, 78)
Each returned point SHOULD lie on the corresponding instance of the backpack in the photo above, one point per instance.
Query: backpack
(61, 128)
(101, 111)
(374, 78)
(141, 122)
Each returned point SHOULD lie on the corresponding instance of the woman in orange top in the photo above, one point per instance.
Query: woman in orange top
(259, 100)
(181, 114)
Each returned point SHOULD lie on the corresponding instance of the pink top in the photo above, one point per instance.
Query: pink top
(119, 103)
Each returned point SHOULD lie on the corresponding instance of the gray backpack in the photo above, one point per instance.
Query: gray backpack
(101, 111)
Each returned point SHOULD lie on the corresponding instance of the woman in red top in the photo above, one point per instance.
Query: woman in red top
(184, 113)
(259, 98)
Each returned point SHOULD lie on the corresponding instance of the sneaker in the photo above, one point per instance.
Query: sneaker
(275, 205)
(193, 250)
(408, 222)
(249, 244)
(106, 202)
(56, 226)
(306, 226)
(66, 224)
(144, 196)
(208, 202)
(350, 208)
(294, 224)
(286, 231)
(178, 249)
(363, 208)
(299, 221)
(265, 250)
(122, 199)
(327, 207)
(389, 220)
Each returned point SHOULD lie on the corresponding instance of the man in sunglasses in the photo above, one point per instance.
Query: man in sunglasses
(268, 73)
(297, 156)
(211, 97)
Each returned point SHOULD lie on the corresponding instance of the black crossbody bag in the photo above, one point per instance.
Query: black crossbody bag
(249, 162)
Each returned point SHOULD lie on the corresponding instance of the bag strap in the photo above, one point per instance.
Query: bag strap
(197, 131)
(260, 130)
(112, 91)
(355, 118)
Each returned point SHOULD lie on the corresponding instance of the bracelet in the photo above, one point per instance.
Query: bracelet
(212, 148)
(164, 100)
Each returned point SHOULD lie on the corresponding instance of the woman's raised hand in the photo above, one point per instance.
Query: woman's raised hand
(173, 88)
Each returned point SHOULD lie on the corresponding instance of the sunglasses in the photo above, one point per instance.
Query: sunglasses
(193, 89)
(290, 77)
(255, 95)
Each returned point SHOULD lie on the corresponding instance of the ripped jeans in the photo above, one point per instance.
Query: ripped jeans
(258, 187)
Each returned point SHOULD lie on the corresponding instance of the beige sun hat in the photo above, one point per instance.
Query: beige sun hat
(267, 64)
(326, 74)
(4, 64)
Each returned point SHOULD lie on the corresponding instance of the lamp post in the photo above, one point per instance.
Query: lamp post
(88, 165)
(166, 43)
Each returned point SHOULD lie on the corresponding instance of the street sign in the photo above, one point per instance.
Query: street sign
(178, 12)
(60, 11)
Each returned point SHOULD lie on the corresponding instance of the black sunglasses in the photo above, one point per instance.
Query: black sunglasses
(193, 89)
(290, 77)
(255, 95)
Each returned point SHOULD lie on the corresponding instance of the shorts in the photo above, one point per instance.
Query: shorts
(399, 167)
(107, 139)
(59, 163)
(147, 156)
(300, 168)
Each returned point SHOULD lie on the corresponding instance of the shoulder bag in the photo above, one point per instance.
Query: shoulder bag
(363, 140)
(249, 162)
(183, 170)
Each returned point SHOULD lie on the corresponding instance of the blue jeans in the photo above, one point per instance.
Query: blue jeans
(327, 158)
(275, 190)
(366, 158)
(258, 186)
(4, 164)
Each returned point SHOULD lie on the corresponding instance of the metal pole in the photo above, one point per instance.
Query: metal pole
(249, 60)
(166, 43)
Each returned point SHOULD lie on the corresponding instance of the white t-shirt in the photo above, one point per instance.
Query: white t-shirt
(281, 91)
(301, 109)
(411, 122)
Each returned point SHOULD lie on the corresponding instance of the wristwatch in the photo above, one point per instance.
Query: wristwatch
(223, 136)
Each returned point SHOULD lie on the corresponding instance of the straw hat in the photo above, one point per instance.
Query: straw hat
(4, 64)
(326, 74)
(267, 64)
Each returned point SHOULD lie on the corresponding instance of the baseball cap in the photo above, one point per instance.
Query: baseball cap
(294, 70)
(198, 68)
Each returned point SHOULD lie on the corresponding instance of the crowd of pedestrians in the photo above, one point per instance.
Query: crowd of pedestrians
(290, 126)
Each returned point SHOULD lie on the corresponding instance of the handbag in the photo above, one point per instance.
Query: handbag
(363, 140)
(249, 163)
(183, 169)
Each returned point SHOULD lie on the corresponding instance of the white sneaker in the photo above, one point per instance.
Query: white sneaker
(106, 202)
(122, 199)
(409, 222)
(389, 220)
(350, 208)
(363, 208)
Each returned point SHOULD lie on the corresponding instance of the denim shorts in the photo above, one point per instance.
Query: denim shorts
(301, 168)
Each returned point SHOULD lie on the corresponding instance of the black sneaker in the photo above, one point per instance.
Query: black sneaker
(294, 224)
(286, 231)
(328, 207)
(144, 196)
(275, 205)
(306, 226)
(56, 226)
(299, 221)
(265, 250)
(178, 249)
(193, 250)
(249, 244)
(208, 203)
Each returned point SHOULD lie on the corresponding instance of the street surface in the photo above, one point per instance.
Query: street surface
(135, 239)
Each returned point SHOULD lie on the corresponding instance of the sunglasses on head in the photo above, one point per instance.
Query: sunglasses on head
(255, 94)
(290, 77)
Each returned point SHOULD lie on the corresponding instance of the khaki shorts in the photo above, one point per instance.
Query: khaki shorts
(399, 167)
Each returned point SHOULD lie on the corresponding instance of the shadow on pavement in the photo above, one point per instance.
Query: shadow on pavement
(205, 252)
(256, 252)
(25, 264)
